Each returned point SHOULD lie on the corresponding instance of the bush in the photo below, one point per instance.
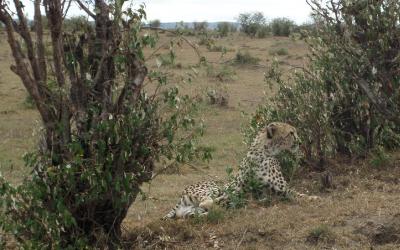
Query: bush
(217, 48)
(223, 73)
(103, 133)
(251, 23)
(235, 199)
(215, 215)
(166, 59)
(200, 27)
(29, 103)
(379, 157)
(224, 28)
(279, 52)
(263, 31)
(289, 163)
(282, 26)
(155, 23)
(341, 103)
(245, 58)
(207, 40)
(322, 234)
(183, 28)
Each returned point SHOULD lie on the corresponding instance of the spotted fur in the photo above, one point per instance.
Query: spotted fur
(260, 161)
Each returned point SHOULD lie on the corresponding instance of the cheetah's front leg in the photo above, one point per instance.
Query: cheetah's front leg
(279, 185)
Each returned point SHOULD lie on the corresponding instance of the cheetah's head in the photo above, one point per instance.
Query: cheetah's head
(277, 137)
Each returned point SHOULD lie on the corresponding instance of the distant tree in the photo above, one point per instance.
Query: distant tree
(282, 26)
(263, 31)
(251, 23)
(155, 23)
(77, 23)
(184, 29)
(223, 28)
(200, 26)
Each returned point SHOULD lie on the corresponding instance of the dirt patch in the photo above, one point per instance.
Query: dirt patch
(161, 235)
(382, 232)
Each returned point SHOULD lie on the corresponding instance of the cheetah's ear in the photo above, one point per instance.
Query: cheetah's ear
(271, 129)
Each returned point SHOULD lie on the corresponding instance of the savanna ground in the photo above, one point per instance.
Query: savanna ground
(360, 211)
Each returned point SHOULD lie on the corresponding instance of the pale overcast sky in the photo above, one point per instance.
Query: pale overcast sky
(213, 10)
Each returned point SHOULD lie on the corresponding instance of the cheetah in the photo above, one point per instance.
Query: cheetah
(260, 161)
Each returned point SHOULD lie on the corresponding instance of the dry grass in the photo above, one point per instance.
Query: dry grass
(358, 213)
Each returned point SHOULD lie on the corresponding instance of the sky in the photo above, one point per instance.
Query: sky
(213, 10)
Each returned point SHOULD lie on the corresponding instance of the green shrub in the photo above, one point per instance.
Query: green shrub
(215, 215)
(289, 163)
(103, 135)
(235, 199)
(183, 29)
(206, 40)
(341, 102)
(263, 31)
(279, 52)
(155, 23)
(322, 234)
(200, 27)
(166, 59)
(379, 158)
(282, 26)
(245, 58)
(29, 103)
(223, 73)
(217, 48)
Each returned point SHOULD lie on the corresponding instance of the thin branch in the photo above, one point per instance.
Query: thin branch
(377, 102)
(21, 69)
(196, 49)
(65, 10)
(26, 35)
(86, 9)
(159, 48)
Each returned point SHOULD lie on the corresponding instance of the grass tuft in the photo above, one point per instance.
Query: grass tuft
(320, 234)
(279, 52)
(243, 58)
